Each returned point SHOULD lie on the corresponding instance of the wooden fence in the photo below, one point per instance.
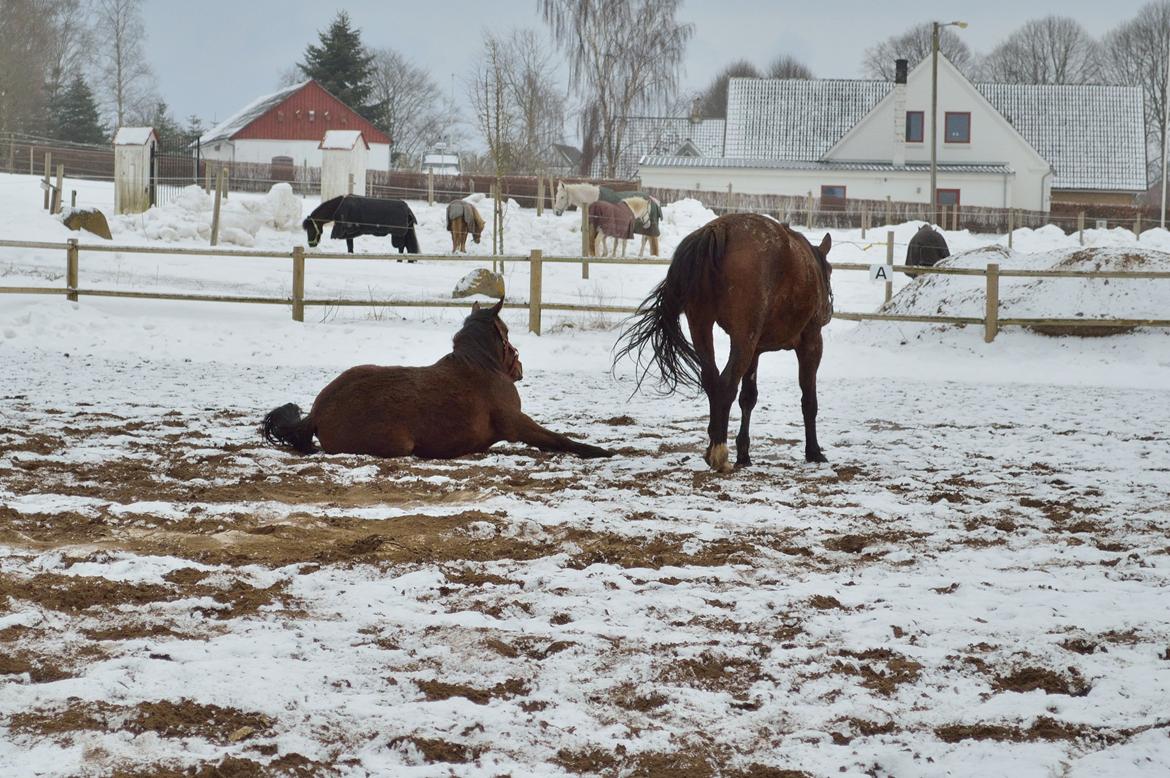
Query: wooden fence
(991, 320)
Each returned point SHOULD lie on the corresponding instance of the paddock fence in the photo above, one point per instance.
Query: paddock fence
(992, 320)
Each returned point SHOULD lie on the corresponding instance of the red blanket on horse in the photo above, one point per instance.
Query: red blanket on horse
(615, 220)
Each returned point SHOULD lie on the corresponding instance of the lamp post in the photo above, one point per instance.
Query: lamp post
(934, 107)
(1165, 133)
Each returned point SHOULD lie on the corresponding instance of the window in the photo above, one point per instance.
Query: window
(312, 116)
(958, 127)
(915, 121)
(833, 197)
(946, 197)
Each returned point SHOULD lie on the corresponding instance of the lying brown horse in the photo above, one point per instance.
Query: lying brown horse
(463, 218)
(462, 404)
(768, 288)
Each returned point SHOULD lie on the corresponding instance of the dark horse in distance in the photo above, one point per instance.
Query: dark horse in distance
(462, 404)
(353, 215)
(926, 248)
(768, 288)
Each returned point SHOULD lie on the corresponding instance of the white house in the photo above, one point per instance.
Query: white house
(999, 145)
(343, 163)
(134, 174)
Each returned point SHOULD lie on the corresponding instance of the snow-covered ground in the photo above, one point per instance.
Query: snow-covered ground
(975, 585)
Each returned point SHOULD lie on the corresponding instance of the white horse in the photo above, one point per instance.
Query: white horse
(582, 195)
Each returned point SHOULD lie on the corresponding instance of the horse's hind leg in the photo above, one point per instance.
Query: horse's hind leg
(701, 336)
(808, 358)
(748, 394)
(349, 245)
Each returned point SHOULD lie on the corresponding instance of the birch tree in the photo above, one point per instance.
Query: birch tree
(623, 55)
(125, 76)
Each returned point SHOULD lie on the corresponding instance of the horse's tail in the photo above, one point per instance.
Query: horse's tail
(656, 324)
(285, 426)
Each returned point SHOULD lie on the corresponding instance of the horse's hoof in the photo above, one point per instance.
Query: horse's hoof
(720, 461)
(743, 462)
(814, 456)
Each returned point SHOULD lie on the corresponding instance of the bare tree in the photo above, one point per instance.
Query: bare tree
(124, 73)
(623, 55)
(1135, 54)
(713, 99)
(71, 44)
(787, 66)
(1052, 50)
(915, 45)
(539, 105)
(412, 109)
(495, 116)
(25, 36)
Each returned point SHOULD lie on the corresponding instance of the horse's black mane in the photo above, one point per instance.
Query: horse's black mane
(479, 342)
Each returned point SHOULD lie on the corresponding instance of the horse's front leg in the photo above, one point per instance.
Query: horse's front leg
(808, 359)
(349, 245)
(523, 429)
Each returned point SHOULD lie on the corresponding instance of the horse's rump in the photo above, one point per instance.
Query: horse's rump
(927, 247)
(461, 210)
(649, 228)
(614, 220)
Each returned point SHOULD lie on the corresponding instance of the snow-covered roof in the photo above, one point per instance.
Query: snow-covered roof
(440, 159)
(1093, 136)
(344, 140)
(658, 135)
(248, 114)
(772, 118)
(133, 136)
(992, 168)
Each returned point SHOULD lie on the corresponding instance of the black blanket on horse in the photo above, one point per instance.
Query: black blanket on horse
(356, 215)
(926, 248)
(649, 229)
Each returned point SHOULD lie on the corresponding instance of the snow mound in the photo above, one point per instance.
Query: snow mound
(188, 217)
(688, 213)
(1045, 298)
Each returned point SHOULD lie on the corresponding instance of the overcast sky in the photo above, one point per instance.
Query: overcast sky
(212, 57)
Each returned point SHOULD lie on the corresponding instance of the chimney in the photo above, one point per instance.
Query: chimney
(899, 156)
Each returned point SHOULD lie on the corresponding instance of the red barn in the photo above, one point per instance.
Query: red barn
(290, 123)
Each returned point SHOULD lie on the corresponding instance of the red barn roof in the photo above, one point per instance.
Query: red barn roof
(304, 111)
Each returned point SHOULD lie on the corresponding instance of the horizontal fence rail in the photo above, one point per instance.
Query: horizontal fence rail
(535, 304)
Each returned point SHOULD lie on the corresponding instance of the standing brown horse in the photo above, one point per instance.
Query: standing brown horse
(463, 218)
(462, 404)
(768, 288)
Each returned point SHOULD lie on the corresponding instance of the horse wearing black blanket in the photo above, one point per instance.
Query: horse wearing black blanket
(353, 215)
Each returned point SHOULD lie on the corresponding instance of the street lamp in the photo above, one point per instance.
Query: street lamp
(934, 107)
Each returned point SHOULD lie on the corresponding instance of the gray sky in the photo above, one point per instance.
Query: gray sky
(212, 68)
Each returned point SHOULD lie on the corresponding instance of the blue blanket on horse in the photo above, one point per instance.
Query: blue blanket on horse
(356, 215)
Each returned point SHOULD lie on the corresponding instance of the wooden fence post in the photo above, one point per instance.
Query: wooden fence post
(430, 186)
(991, 315)
(889, 210)
(1081, 227)
(73, 199)
(227, 181)
(349, 184)
(955, 217)
(1137, 226)
(534, 290)
(540, 195)
(809, 206)
(864, 221)
(207, 179)
(215, 209)
(1011, 226)
(57, 193)
(889, 261)
(48, 181)
(71, 270)
(586, 249)
(298, 284)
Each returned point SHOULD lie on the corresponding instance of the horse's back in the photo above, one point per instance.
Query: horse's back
(432, 411)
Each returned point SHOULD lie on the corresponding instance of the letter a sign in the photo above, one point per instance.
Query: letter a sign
(882, 273)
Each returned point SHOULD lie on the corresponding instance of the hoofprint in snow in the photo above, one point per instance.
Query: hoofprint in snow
(974, 585)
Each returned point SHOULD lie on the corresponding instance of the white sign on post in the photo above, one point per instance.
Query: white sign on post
(882, 273)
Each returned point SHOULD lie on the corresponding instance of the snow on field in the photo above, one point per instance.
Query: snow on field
(975, 584)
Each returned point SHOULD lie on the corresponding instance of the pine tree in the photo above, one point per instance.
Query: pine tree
(170, 134)
(342, 65)
(73, 114)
